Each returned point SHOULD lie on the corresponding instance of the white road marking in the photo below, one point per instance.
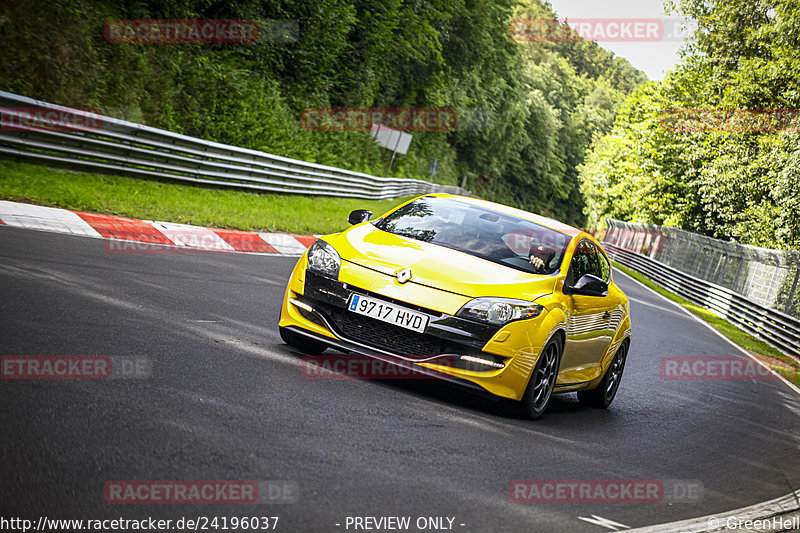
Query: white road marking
(604, 522)
(638, 301)
(709, 326)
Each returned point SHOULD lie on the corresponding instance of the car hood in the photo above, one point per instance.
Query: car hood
(436, 266)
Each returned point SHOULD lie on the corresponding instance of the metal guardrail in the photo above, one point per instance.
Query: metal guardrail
(112, 146)
(772, 326)
(762, 275)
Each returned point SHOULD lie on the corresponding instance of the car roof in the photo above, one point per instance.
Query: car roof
(519, 213)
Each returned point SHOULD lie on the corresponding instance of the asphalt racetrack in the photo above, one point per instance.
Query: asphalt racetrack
(225, 399)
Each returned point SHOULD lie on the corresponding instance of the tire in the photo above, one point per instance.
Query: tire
(543, 381)
(602, 396)
(301, 342)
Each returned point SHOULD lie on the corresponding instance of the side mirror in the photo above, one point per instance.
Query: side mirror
(590, 285)
(359, 215)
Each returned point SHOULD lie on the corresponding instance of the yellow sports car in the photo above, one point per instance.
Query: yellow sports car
(494, 298)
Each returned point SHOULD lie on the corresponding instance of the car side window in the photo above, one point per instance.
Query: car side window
(605, 267)
(586, 260)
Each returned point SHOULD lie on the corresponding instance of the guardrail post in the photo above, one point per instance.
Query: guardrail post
(742, 260)
(722, 270)
(793, 291)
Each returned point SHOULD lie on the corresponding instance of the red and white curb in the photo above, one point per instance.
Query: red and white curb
(132, 235)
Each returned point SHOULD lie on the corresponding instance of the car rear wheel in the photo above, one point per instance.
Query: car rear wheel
(301, 342)
(543, 381)
(602, 396)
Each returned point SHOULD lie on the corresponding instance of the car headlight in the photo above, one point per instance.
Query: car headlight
(323, 258)
(499, 311)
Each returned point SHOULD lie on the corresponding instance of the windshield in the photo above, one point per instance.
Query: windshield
(481, 232)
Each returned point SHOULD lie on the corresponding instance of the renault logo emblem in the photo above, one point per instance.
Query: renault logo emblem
(404, 275)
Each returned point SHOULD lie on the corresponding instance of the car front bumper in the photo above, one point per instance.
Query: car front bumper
(316, 306)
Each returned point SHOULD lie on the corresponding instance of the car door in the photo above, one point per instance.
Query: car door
(590, 323)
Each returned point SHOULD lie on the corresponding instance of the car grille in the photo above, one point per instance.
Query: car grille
(387, 337)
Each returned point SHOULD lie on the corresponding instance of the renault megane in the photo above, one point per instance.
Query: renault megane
(487, 296)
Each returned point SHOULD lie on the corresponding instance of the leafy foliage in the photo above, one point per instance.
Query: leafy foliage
(527, 112)
(715, 179)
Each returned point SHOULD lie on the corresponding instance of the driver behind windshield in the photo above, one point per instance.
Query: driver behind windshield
(540, 257)
(497, 237)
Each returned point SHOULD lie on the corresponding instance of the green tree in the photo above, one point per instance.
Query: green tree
(710, 177)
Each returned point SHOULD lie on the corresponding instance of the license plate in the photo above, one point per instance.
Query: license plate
(389, 313)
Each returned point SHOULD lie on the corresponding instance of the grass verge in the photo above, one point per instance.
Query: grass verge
(780, 363)
(173, 202)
